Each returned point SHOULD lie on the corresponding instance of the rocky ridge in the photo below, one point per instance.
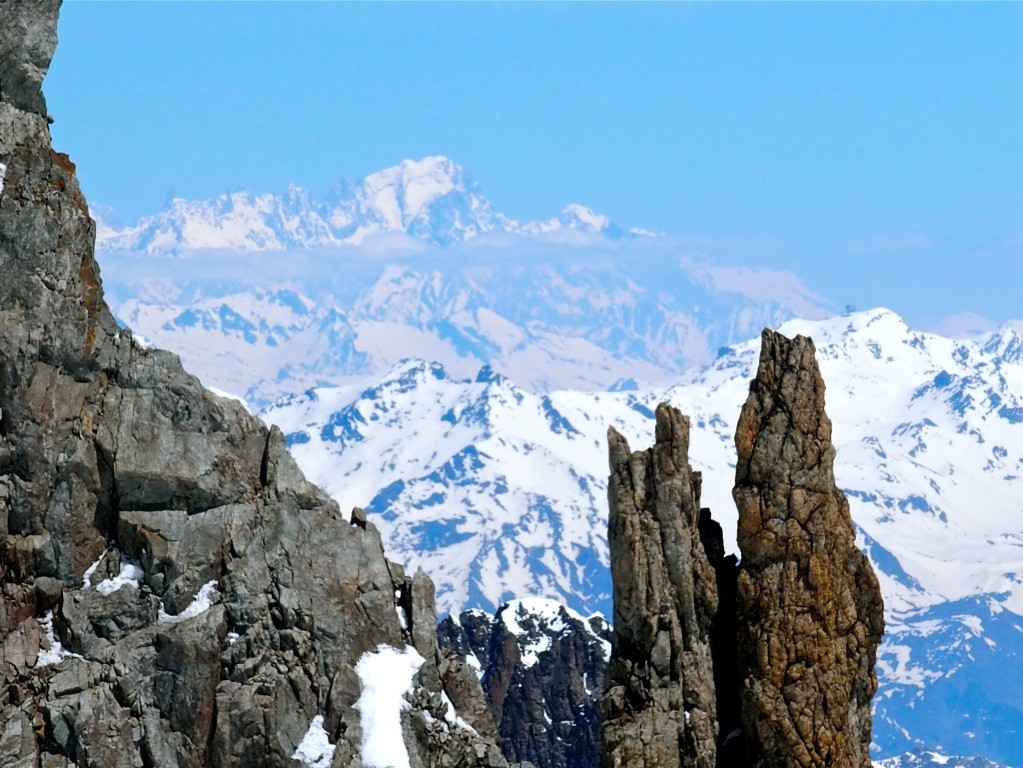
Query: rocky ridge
(804, 606)
(175, 593)
(543, 669)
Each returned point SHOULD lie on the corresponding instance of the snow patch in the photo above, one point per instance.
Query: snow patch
(3, 171)
(228, 396)
(452, 717)
(399, 610)
(87, 576)
(315, 749)
(55, 653)
(473, 661)
(200, 604)
(385, 676)
(142, 342)
(546, 618)
(130, 575)
(536, 621)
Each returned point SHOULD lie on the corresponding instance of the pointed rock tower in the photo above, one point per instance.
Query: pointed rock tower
(660, 705)
(809, 605)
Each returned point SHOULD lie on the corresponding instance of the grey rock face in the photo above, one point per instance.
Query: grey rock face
(175, 593)
(660, 707)
(809, 606)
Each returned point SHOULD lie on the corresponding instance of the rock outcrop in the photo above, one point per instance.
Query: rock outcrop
(174, 592)
(768, 664)
(660, 707)
(543, 668)
(809, 605)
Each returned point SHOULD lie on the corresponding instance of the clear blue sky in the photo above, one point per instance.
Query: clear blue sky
(861, 134)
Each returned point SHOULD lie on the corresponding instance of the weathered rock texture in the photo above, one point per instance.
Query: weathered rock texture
(660, 708)
(809, 605)
(769, 664)
(543, 673)
(110, 454)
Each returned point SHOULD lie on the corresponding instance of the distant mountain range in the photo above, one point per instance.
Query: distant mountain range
(499, 492)
(432, 200)
(455, 372)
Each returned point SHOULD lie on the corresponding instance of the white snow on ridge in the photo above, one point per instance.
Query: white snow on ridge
(535, 620)
(130, 575)
(54, 653)
(87, 576)
(544, 614)
(142, 341)
(385, 676)
(431, 199)
(200, 604)
(229, 396)
(3, 171)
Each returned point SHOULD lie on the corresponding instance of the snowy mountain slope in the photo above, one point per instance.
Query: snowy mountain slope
(552, 315)
(933, 760)
(499, 492)
(432, 199)
(542, 667)
(928, 430)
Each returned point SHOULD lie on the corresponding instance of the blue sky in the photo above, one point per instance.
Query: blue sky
(857, 144)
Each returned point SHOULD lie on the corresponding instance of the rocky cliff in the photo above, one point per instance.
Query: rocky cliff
(174, 592)
(769, 663)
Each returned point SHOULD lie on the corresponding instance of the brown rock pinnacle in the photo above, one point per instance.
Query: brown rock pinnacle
(809, 606)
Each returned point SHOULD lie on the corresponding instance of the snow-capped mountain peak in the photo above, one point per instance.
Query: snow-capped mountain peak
(413, 185)
(432, 199)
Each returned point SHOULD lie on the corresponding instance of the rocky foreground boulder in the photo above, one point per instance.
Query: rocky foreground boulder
(174, 593)
(768, 663)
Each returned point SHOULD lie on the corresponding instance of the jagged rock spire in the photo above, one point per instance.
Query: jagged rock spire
(660, 704)
(809, 606)
(768, 665)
